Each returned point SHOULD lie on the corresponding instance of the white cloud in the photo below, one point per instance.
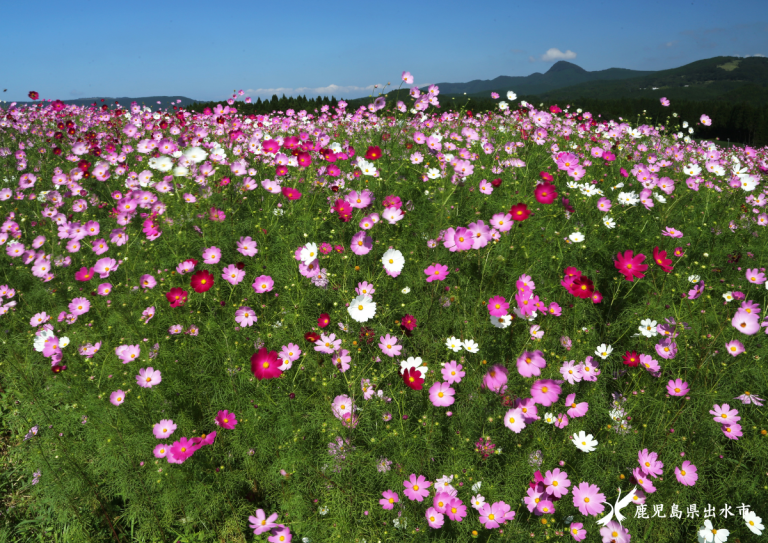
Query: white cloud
(557, 54)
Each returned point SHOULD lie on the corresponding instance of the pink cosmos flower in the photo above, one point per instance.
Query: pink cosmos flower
(435, 518)
(530, 364)
(84, 274)
(361, 243)
(436, 272)
(226, 419)
(562, 420)
(588, 499)
(263, 283)
(649, 463)
(389, 500)
(327, 344)
(463, 239)
(492, 515)
(755, 276)
(117, 397)
(678, 387)
(260, 523)
(246, 246)
(441, 394)
(666, 348)
(724, 414)
(233, 275)
(643, 481)
(161, 450)
(575, 410)
(514, 420)
(456, 510)
(686, 474)
(545, 392)
(416, 488)
(245, 316)
(732, 431)
(734, 347)
(281, 533)
(650, 365)
(342, 404)
(746, 323)
(211, 255)
(126, 353)
(613, 532)
(442, 498)
(164, 429)
(148, 377)
(365, 288)
(571, 372)
(496, 379)
(672, 233)
(388, 345)
(452, 372)
(147, 281)
(79, 306)
(105, 266)
(577, 530)
(182, 449)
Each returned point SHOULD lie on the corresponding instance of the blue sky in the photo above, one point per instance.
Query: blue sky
(204, 50)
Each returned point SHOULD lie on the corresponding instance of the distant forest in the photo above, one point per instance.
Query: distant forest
(737, 122)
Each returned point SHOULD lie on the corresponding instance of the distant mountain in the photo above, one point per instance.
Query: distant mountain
(561, 74)
(150, 101)
(720, 78)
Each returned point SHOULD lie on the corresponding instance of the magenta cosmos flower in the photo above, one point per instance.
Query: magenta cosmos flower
(260, 523)
(164, 429)
(588, 499)
(530, 364)
(498, 306)
(211, 255)
(686, 474)
(263, 283)
(182, 449)
(630, 266)
(117, 397)
(436, 272)
(389, 500)
(148, 377)
(678, 387)
(225, 419)
(545, 392)
(265, 364)
(441, 394)
(416, 488)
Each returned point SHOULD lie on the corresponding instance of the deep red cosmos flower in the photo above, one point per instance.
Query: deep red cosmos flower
(408, 322)
(34, 95)
(413, 378)
(323, 320)
(496, 182)
(311, 336)
(545, 193)
(519, 212)
(582, 287)
(265, 364)
(176, 296)
(660, 257)
(373, 153)
(202, 281)
(631, 359)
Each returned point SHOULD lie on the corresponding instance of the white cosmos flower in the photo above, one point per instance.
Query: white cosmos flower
(180, 171)
(164, 164)
(694, 278)
(549, 418)
(754, 523)
(195, 154)
(692, 170)
(63, 342)
(413, 363)
(476, 487)
(433, 173)
(362, 308)
(393, 261)
(308, 253)
(609, 222)
(511, 96)
(604, 351)
(41, 338)
(501, 322)
(648, 328)
(709, 534)
(728, 296)
(471, 346)
(584, 442)
(454, 344)
(406, 290)
(576, 237)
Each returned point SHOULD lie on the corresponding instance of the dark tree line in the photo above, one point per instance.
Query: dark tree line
(283, 103)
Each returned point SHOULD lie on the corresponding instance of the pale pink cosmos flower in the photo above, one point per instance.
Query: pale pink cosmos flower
(749, 398)
(361, 243)
(148, 377)
(575, 410)
(211, 255)
(530, 364)
(650, 364)
(105, 266)
(746, 323)
(161, 451)
(245, 316)
(536, 332)
(127, 353)
(677, 387)
(545, 392)
(734, 347)
(492, 516)
(327, 344)
(261, 523)
(671, 232)
(263, 283)
(732, 431)
(514, 420)
(365, 288)
(588, 499)
(233, 275)
(435, 519)
(686, 474)
(147, 281)
(441, 394)
(291, 352)
(724, 414)
(246, 246)
(39, 318)
(79, 306)
(452, 372)
(485, 187)
(643, 481)
(496, 379)
(571, 372)
(755, 276)
(389, 499)
(164, 429)
(556, 483)
(117, 397)
(388, 345)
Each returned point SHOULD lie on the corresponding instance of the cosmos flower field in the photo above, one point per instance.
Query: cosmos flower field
(398, 323)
